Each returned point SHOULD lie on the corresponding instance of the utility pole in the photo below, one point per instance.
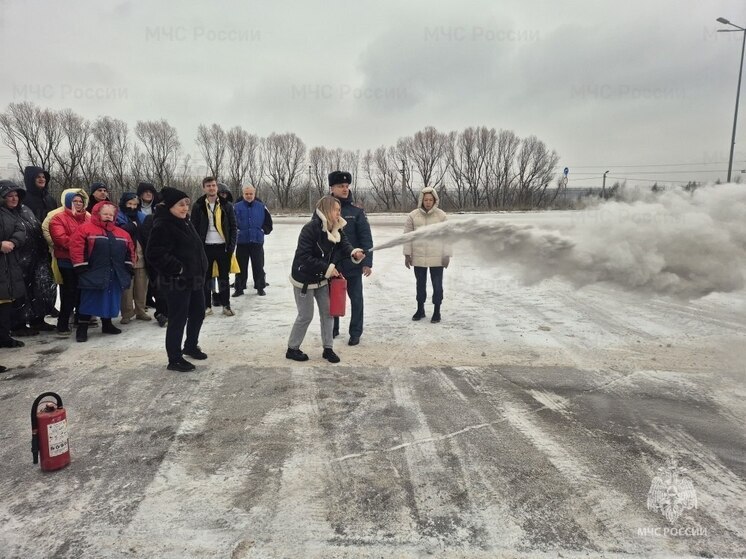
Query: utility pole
(403, 182)
(603, 188)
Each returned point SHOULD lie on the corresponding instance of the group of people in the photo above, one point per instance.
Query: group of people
(99, 256)
(157, 249)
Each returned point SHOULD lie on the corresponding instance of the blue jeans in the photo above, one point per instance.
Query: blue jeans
(355, 293)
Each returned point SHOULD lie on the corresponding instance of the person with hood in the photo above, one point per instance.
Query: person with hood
(148, 196)
(33, 258)
(155, 298)
(99, 193)
(215, 221)
(130, 218)
(41, 202)
(424, 254)
(177, 252)
(61, 227)
(322, 245)
(12, 238)
(358, 232)
(224, 192)
(254, 222)
(38, 198)
(103, 256)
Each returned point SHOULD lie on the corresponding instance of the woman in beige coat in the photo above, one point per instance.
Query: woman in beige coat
(424, 254)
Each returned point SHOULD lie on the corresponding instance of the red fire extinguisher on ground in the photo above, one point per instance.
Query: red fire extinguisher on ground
(337, 296)
(49, 433)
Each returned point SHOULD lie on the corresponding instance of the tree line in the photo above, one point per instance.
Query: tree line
(476, 168)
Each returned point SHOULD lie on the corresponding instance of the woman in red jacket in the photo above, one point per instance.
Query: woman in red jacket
(61, 228)
(103, 257)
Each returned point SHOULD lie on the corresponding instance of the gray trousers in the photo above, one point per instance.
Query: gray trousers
(305, 316)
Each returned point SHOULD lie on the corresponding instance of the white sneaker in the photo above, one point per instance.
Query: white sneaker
(228, 312)
(208, 311)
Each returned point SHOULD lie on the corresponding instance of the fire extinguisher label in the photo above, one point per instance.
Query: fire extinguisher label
(57, 437)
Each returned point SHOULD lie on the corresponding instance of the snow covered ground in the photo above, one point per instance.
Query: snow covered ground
(530, 422)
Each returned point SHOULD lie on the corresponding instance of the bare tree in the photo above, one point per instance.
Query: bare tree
(469, 157)
(31, 133)
(319, 160)
(161, 143)
(382, 172)
(212, 143)
(244, 157)
(113, 136)
(500, 191)
(428, 150)
(285, 156)
(70, 152)
(534, 169)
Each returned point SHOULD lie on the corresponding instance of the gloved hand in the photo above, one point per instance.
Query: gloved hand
(408, 261)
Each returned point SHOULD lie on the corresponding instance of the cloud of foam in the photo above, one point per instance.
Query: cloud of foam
(674, 243)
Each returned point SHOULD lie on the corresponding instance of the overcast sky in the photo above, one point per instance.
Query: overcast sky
(606, 84)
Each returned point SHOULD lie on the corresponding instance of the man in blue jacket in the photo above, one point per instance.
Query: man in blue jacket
(254, 222)
(358, 233)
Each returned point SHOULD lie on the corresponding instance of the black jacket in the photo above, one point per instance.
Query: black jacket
(358, 234)
(201, 221)
(315, 252)
(176, 252)
(39, 200)
(12, 285)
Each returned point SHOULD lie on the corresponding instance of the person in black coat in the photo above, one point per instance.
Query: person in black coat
(176, 252)
(322, 246)
(12, 286)
(215, 222)
(358, 232)
(40, 201)
(38, 198)
(33, 257)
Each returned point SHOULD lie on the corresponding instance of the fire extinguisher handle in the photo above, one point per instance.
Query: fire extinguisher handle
(36, 403)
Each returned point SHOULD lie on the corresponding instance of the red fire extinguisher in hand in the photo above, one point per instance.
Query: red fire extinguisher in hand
(337, 295)
(49, 433)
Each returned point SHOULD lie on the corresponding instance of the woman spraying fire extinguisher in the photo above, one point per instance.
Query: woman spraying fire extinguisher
(321, 246)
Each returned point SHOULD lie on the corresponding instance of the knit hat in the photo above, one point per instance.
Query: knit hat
(96, 185)
(171, 196)
(339, 177)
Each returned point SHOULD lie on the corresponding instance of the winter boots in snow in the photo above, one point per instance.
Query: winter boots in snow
(420, 314)
(436, 314)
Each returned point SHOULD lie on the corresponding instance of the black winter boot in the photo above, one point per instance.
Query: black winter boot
(108, 328)
(420, 312)
(81, 334)
(436, 314)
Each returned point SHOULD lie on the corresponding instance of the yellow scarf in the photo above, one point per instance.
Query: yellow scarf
(235, 268)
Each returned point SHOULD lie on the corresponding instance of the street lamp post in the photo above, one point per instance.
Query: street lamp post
(738, 90)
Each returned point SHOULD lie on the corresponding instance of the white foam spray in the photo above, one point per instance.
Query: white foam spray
(675, 242)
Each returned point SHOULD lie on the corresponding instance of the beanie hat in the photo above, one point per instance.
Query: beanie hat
(339, 177)
(96, 185)
(171, 196)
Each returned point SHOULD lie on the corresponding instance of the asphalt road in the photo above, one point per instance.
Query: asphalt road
(484, 461)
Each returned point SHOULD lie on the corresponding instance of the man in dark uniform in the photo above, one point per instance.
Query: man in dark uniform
(358, 233)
